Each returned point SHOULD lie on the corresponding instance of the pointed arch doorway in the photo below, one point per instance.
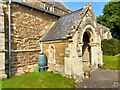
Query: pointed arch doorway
(86, 51)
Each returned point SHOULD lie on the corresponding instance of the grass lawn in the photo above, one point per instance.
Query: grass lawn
(111, 62)
(38, 80)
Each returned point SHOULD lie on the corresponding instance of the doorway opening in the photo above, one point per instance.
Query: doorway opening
(86, 52)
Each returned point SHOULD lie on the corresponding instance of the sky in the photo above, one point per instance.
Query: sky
(97, 6)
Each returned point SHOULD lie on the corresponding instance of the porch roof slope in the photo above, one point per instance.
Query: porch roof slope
(64, 26)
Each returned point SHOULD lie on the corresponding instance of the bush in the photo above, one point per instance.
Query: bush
(110, 47)
(119, 46)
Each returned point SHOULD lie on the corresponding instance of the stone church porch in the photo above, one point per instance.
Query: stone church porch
(77, 42)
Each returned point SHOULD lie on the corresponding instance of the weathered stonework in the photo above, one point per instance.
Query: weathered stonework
(2, 43)
(59, 55)
(31, 20)
(73, 63)
(104, 32)
(28, 27)
(82, 53)
(55, 8)
(23, 62)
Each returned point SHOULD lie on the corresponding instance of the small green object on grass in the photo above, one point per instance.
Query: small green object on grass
(36, 69)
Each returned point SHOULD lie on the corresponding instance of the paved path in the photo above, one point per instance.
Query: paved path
(101, 79)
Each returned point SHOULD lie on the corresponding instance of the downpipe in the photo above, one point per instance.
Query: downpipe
(9, 39)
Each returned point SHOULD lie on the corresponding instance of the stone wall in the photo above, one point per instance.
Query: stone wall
(2, 43)
(73, 58)
(104, 32)
(28, 27)
(23, 62)
(54, 8)
(60, 47)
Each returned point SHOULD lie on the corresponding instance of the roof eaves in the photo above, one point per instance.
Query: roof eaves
(37, 8)
(54, 39)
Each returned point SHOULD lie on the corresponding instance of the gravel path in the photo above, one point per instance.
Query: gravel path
(101, 79)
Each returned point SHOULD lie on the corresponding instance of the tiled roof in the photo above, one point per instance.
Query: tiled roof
(65, 26)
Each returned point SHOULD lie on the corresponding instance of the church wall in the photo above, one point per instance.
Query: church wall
(73, 59)
(60, 47)
(2, 43)
(74, 65)
(104, 32)
(28, 27)
(54, 9)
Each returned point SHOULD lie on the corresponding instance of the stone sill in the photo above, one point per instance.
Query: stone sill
(2, 50)
(29, 50)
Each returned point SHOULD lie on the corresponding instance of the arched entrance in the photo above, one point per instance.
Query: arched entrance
(86, 50)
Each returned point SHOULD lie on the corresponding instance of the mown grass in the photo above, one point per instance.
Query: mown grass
(111, 62)
(38, 80)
